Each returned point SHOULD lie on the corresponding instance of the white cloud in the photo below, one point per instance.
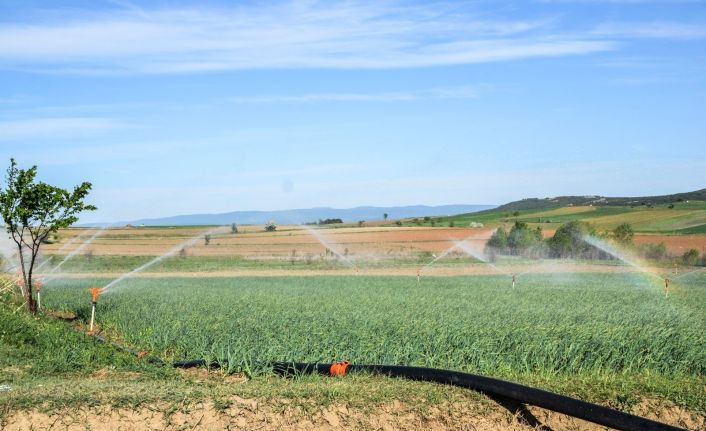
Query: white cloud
(463, 92)
(54, 127)
(656, 30)
(281, 35)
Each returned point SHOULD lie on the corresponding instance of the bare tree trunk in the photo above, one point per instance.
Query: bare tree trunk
(27, 281)
(31, 303)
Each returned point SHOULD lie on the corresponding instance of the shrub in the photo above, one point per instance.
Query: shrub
(691, 257)
(207, 239)
(623, 234)
(654, 251)
(233, 228)
(330, 221)
(451, 223)
(398, 222)
(270, 226)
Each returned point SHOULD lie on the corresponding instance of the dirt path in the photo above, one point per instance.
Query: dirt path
(436, 271)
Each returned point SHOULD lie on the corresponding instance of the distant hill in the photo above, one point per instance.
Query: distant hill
(563, 201)
(680, 213)
(297, 216)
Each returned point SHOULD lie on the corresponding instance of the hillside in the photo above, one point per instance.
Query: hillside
(562, 201)
(680, 217)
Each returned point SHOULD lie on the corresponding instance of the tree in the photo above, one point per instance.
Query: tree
(32, 210)
(385, 215)
(623, 234)
(207, 239)
(569, 240)
(233, 228)
(270, 226)
(497, 244)
(522, 239)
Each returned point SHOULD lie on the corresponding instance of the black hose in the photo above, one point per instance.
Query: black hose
(198, 363)
(493, 387)
(579, 409)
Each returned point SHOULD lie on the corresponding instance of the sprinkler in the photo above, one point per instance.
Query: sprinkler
(38, 286)
(95, 291)
(514, 277)
(666, 287)
(419, 275)
(357, 271)
(676, 269)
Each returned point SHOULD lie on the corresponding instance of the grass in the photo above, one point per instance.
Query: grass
(588, 335)
(51, 366)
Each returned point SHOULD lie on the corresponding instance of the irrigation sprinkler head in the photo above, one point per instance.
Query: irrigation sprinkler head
(38, 285)
(95, 291)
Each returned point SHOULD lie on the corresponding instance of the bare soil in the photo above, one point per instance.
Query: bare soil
(239, 413)
(253, 242)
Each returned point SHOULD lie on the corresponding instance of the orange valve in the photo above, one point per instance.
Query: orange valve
(339, 368)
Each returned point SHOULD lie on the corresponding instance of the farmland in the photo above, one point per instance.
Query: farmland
(597, 330)
(570, 327)
(681, 216)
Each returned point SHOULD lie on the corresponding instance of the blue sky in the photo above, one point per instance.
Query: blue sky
(201, 107)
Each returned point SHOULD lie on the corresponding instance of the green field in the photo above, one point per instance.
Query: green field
(590, 334)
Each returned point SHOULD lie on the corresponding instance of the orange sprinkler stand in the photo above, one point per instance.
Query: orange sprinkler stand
(95, 291)
(339, 368)
(38, 285)
(142, 354)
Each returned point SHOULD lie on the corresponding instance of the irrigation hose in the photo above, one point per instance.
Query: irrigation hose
(493, 387)
(559, 403)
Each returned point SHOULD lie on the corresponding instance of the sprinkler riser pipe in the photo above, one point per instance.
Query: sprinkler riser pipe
(93, 314)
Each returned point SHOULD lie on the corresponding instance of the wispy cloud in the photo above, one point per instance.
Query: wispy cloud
(280, 35)
(656, 30)
(627, 2)
(54, 127)
(464, 92)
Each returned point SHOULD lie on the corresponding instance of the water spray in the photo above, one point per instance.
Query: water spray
(20, 282)
(95, 291)
(38, 287)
